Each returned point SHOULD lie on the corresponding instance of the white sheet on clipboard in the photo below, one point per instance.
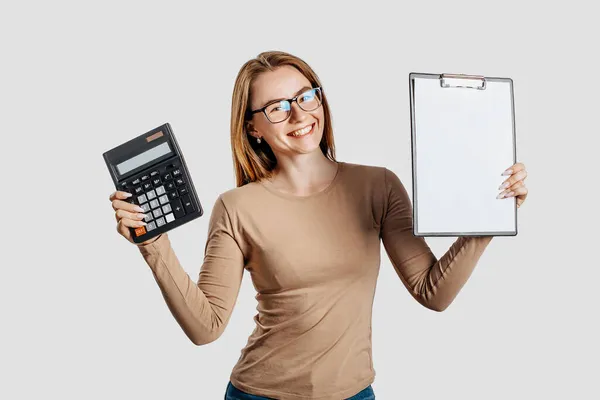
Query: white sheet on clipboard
(463, 139)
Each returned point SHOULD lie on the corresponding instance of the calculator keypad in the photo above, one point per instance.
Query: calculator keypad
(163, 195)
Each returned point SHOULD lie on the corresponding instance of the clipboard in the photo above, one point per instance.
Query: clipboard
(463, 137)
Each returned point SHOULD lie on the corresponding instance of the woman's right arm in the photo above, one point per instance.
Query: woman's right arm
(201, 308)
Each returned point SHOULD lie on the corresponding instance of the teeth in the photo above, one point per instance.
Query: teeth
(302, 131)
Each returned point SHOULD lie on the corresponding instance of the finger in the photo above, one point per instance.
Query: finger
(125, 205)
(120, 213)
(119, 194)
(519, 192)
(514, 169)
(122, 229)
(521, 195)
(517, 184)
(506, 191)
(519, 176)
(125, 223)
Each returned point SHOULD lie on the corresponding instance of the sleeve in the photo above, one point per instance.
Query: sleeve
(202, 309)
(433, 283)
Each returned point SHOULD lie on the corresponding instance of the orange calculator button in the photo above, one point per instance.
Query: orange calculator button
(140, 231)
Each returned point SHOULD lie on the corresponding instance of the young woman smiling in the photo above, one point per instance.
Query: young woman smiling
(308, 229)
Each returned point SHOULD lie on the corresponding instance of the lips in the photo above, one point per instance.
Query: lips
(309, 132)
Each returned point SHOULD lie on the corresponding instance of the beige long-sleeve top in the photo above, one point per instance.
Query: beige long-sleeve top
(314, 263)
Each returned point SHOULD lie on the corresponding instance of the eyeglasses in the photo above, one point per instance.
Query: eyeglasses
(281, 110)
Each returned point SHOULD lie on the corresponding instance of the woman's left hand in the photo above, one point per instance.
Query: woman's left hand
(514, 185)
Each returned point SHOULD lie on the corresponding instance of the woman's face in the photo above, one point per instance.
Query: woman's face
(284, 83)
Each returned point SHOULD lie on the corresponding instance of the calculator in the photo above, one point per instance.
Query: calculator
(151, 167)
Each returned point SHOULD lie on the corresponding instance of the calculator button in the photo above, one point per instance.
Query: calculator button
(167, 176)
(138, 190)
(179, 181)
(160, 190)
(140, 231)
(151, 194)
(178, 209)
(145, 207)
(154, 203)
(166, 208)
(157, 213)
(173, 195)
(169, 217)
(183, 190)
(160, 221)
(156, 181)
(123, 186)
(154, 173)
(151, 226)
(187, 203)
(163, 199)
(136, 181)
(176, 172)
(147, 186)
(148, 217)
(170, 185)
(142, 199)
(145, 177)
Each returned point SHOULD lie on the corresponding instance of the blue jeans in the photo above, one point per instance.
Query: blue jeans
(233, 393)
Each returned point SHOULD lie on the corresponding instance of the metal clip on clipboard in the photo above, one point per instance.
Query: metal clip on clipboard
(447, 79)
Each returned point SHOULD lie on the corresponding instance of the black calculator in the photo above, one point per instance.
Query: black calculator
(151, 167)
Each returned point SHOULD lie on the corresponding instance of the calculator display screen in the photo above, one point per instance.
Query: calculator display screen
(143, 158)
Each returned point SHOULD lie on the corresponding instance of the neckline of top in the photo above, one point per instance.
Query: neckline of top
(291, 196)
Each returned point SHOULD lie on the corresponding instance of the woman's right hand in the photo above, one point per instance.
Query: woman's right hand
(128, 215)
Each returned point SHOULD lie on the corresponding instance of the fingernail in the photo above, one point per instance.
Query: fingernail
(499, 196)
(508, 172)
(142, 215)
(138, 208)
(503, 186)
(127, 194)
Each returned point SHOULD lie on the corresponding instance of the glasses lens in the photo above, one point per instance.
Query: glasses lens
(278, 112)
(310, 100)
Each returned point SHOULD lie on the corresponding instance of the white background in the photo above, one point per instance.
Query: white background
(83, 318)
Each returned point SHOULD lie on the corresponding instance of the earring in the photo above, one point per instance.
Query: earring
(257, 140)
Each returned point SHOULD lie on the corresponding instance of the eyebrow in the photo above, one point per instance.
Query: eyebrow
(283, 98)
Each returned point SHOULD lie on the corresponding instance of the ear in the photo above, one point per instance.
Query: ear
(250, 129)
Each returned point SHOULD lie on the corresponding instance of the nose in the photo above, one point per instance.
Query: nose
(296, 113)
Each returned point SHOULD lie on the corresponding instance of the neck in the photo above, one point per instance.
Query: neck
(303, 174)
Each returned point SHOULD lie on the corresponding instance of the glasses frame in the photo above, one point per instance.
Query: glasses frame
(293, 99)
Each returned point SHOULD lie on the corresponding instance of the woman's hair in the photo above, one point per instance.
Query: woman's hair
(254, 161)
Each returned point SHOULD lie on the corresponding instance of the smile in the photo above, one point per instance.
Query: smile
(307, 130)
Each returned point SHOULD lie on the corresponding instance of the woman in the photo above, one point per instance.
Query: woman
(308, 229)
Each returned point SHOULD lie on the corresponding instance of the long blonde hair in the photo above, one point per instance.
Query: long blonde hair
(254, 161)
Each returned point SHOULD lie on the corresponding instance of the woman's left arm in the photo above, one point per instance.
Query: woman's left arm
(433, 283)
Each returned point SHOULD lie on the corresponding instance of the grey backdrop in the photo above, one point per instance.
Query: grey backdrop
(83, 318)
